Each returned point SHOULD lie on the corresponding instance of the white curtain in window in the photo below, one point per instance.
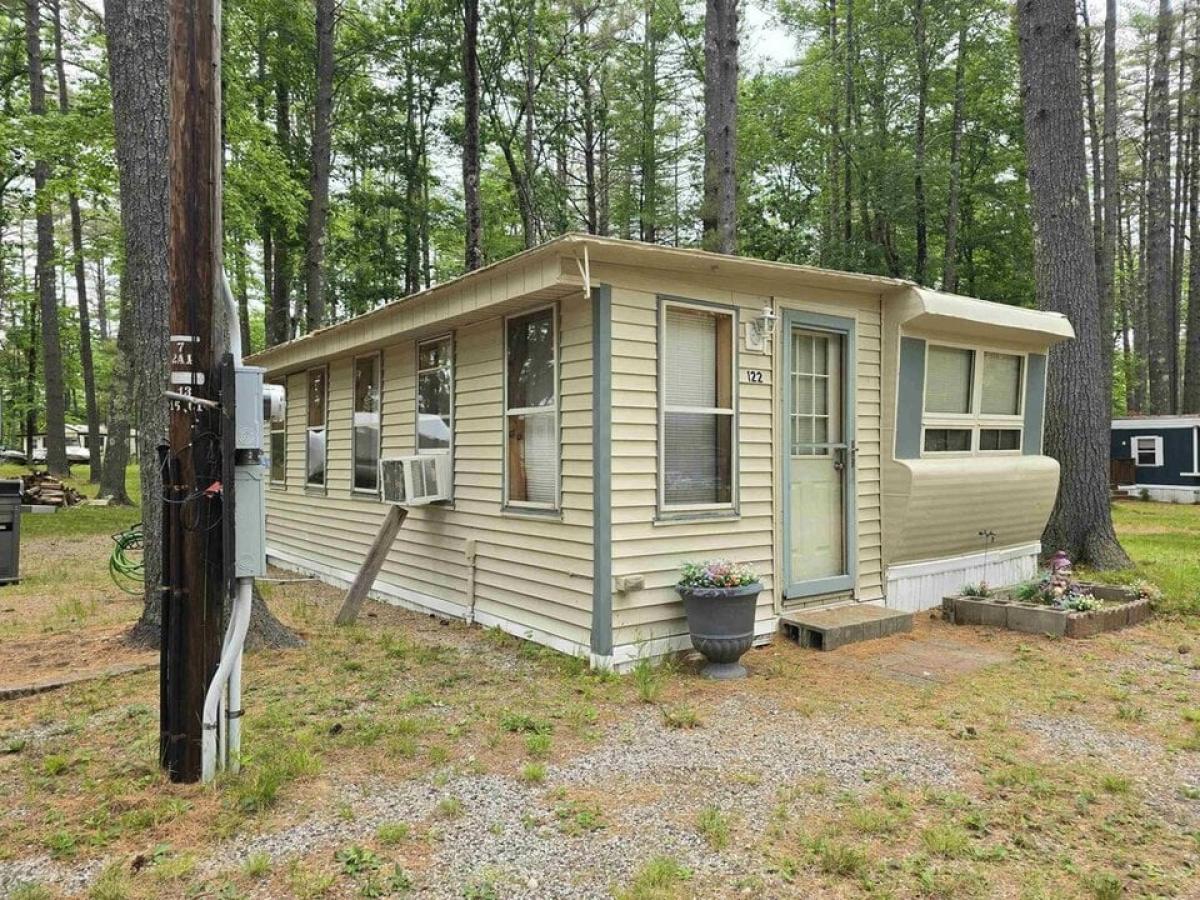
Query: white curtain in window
(1001, 384)
(948, 380)
(540, 456)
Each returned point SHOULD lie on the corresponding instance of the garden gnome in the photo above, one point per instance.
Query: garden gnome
(1060, 563)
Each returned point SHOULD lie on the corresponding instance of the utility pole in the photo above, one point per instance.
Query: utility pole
(197, 464)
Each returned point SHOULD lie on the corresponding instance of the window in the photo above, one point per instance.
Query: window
(697, 426)
(1147, 451)
(531, 410)
(318, 390)
(973, 401)
(277, 449)
(948, 380)
(435, 380)
(367, 403)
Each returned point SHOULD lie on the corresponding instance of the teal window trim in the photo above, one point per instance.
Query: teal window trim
(910, 398)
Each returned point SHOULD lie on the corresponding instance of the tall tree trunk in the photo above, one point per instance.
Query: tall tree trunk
(648, 206)
(412, 181)
(85, 322)
(136, 33)
(1190, 399)
(950, 257)
(1108, 252)
(473, 255)
(31, 370)
(919, 202)
(833, 252)
(279, 325)
(1183, 174)
(849, 52)
(1093, 130)
(101, 297)
(242, 293)
(52, 371)
(318, 185)
(719, 210)
(1077, 411)
(1158, 225)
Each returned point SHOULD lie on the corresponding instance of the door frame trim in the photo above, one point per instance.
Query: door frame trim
(844, 327)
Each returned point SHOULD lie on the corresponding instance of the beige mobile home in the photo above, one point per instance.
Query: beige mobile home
(608, 410)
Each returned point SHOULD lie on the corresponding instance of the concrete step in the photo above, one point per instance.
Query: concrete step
(836, 626)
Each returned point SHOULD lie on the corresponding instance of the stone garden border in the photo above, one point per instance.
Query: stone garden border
(1001, 610)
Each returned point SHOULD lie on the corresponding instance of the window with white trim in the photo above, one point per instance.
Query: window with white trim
(314, 454)
(435, 395)
(1147, 450)
(278, 446)
(531, 410)
(368, 396)
(973, 400)
(697, 419)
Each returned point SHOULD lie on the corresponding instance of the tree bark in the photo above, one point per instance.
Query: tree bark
(1108, 254)
(473, 254)
(101, 298)
(85, 323)
(279, 326)
(919, 201)
(1093, 130)
(52, 371)
(719, 210)
(648, 206)
(950, 257)
(318, 205)
(1183, 174)
(136, 33)
(1190, 398)
(1077, 411)
(1158, 225)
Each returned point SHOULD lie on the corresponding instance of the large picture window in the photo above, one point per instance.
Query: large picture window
(435, 395)
(368, 393)
(278, 445)
(531, 410)
(318, 395)
(972, 401)
(697, 422)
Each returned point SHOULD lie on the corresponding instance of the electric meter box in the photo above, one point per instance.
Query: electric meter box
(249, 522)
(248, 393)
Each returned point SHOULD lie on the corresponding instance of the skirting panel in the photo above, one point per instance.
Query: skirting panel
(1163, 493)
(922, 585)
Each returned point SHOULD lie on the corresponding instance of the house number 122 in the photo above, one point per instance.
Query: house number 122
(754, 376)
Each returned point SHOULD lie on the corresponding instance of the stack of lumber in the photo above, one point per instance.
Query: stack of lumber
(43, 489)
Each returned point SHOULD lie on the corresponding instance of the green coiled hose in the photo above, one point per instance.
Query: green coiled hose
(125, 564)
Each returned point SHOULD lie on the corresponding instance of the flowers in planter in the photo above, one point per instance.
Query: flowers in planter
(717, 573)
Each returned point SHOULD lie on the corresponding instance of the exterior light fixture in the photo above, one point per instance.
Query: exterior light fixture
(759, 329)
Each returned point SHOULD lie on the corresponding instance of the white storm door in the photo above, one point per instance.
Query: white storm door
(817, 465)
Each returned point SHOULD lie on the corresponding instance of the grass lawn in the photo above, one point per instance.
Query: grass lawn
(407, 755)
(80, 520)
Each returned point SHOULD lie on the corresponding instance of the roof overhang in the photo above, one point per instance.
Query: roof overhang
(917, 307)
(1156, 423)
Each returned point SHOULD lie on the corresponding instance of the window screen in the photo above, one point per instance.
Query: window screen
(315, 446)
(435, 426)
(948, 440)
(698, 425)
(367, 397)
(948, 375)
(1001, 384)
(1000, 439)
(531, 410)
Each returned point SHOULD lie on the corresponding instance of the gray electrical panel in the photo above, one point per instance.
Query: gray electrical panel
(249, 523)
(249, 393)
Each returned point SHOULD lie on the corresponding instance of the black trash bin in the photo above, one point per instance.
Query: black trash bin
(10, 530)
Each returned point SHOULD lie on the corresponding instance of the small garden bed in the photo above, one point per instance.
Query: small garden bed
(1056, 605)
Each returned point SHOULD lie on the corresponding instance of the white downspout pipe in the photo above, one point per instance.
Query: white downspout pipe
(239, 623)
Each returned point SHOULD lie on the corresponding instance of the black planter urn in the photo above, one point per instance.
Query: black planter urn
(721, 621)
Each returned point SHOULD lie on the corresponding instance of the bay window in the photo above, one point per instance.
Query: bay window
(367, 405)
(531, 410)
(973, 401)
(697, 421)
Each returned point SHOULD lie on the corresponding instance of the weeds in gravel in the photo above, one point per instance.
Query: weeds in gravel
(576, 817)
(647, 679)
(307, 883)
(450, 808)
(714, 826)
(947, 841)
(30, 890)
(392, 833)
(521, 722)
(113, 884)
(1115, 784)
(533, 772)
(257, 865)
(681, 717)
(836, 858)
(658, 878)
(537, 744)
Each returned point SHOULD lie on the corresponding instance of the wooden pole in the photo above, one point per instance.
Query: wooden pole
(195, 584)
(371, 565)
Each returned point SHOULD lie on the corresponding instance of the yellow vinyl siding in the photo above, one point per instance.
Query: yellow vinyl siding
(532, 571)
(644, 545)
